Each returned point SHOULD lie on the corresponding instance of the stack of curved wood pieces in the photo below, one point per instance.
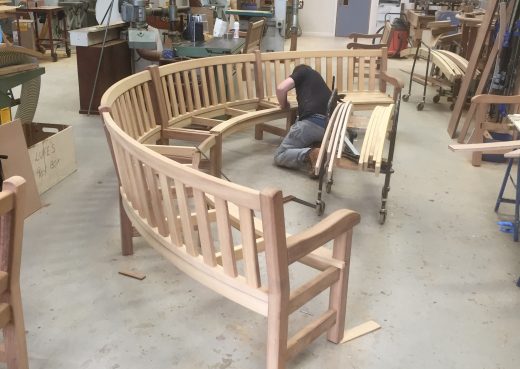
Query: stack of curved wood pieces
(451, 65)
(371, 155)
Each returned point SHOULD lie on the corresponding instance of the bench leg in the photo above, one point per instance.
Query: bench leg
(338, 291)
(14, 335)
(277, 332)
(127, 231)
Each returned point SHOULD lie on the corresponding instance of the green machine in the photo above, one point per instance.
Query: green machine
(19, 66)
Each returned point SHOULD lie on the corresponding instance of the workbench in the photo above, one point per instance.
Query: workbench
(418, 23)
(46, 40)
(213, 47)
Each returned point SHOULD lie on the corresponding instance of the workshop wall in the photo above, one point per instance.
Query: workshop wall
(318, 18)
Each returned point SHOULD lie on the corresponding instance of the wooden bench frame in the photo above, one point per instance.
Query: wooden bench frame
(181, 211)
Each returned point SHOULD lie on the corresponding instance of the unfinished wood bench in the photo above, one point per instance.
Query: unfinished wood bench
(171, 194)
(204, 101)
(223, 234)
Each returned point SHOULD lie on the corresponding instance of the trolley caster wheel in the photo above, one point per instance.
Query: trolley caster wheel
(420, 106)
(320, 207)
(452, 106)
(382, 217)
(68, 52)
(406, 98)
(54, 57)
(436, 99)
(328, 188)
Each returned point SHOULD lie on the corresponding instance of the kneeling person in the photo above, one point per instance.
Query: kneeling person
(312, 94)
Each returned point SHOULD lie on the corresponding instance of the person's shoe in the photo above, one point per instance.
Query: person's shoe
(313, 159)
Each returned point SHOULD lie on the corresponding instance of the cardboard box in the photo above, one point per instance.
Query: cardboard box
(26, 33)
(52, 153)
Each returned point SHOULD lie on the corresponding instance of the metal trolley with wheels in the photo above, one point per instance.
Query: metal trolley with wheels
(444, 70)
(337, 149)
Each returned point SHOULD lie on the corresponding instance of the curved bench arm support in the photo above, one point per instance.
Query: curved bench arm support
(336, 224)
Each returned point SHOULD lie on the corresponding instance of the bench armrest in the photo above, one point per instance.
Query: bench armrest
(373, 36)
(393, 80)
(357, 45)
(336, 224)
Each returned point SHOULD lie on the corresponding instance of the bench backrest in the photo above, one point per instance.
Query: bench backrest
(201, 219)
(132, 105)
(354, 70)
(205, 83)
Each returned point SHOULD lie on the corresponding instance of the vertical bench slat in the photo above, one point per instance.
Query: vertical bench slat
(204, 227)
(249, 249)
(225, 238)
(169, 209)
(186, 220)
(133, 114)
(277, 73)
(339, 76)
(308, 62)
(287, 67)
(144, 109)
(361, 74)
(329, 72)
(138, 112)
(139, 192)
(231, 81)
(188, 90)
(239, 67)
(195, 89)
(268, 79)
(174, 100)
(116, 113)
(144, 191)
(180, 93)
(205, 91)
(372, 75)
(213, 85)
(126, 123)
(157, 208)
(149, 106)
(123, 171)
(129, 117)
(350, 74)
(221, 84)
(167, 88)
(249, 81)
(317, 66)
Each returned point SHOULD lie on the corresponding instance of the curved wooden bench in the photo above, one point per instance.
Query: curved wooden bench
(193, 218)
(214, 230)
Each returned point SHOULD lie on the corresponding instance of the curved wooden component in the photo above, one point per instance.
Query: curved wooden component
(445, 63)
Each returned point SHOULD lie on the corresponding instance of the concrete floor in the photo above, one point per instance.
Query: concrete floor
(438, 276)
